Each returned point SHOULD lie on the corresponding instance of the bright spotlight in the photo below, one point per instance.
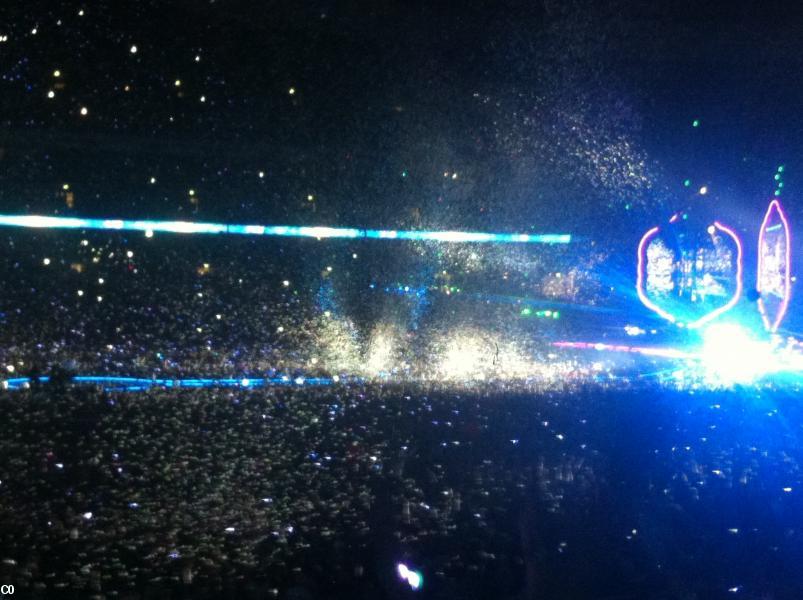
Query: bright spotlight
(464, 358)
(731, 355)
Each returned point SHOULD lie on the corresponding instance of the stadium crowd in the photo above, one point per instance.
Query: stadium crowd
(565, 489)
(318, 492)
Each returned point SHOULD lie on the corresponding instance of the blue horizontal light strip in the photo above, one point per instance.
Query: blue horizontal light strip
(142, 383)
(38, 222)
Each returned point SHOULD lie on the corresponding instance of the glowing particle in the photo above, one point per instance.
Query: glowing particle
(218, 316)
(101, 281)
(329, 269)
(81, 13)
(80, 292)
(84, 111)
(413, 578)
(10, 368)
(65, 187)
(291, 91)
(178, 83)
(100, 298)
(203, 98)
(695, 123)
(133, 49)
(129, 254)
(34, 31)
(197, 58)
(262, 174)
(687, 182)
(46, 261)
(354, 255)
(704, 190)
(781, 169)
(310, 197)
(51, 94)
(787, 489)
(149, 233)
(285, 283)
(192, 192)
(87, 515)
(56, 73)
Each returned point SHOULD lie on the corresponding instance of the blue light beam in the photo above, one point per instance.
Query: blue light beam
(142, 383)
(45, 222)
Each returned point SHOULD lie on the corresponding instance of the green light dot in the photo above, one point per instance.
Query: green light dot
(781, 169)
(526, 312)
(627, 207)
(695, 123)
(687, 182)
(685, 216)
(780, 184)
(777, 192)
(777, 176)
(556, 315)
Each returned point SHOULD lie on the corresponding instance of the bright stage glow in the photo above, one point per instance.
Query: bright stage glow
(731, 355)
(773, 276)
(37, 221)
(641, 266)
(465, 358)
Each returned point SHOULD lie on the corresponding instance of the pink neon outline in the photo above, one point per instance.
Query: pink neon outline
(669, 316)
(640, 276)
(644, 350)
(788, 271)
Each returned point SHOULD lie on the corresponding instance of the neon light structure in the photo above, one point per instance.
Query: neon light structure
(763, 276)
(37, 221)
(709, 316)
(142, 383)
(643, 350)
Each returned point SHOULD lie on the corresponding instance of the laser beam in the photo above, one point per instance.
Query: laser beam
(46, 222)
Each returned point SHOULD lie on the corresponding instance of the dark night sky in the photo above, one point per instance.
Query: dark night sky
(543, 110)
